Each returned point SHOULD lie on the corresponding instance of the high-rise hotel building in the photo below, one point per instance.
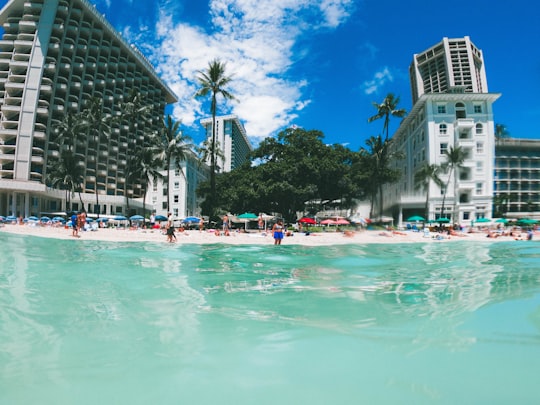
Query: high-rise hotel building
(452, 110)
(55, 55)
(231, 139)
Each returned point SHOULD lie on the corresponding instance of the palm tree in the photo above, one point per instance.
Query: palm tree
(203, 151)
(214, 81)
(455, 156)
(422, 179)
(145, 167)
(172, 146)
(386, 109)
(98, 125)
(134, 110)
(69, 131)
(67, 174)
(501, 132)
(377, 159)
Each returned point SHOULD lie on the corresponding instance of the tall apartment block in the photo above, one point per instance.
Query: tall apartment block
(232, 140)
(449, 66)
(452, 109)
(55, 55)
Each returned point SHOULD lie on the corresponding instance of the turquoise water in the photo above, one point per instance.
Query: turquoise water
(85, 322)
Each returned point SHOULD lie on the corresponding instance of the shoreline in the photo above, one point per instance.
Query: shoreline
(251, 238)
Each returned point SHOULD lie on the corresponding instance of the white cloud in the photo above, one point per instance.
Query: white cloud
(256, 39)
(379, 79)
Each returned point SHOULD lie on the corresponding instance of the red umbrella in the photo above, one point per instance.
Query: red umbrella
(329, 222)
(342, 221)
(307, 220)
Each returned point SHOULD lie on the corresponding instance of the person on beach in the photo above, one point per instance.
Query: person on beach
(277, 231)
(201, 225)
(170, 229)
(225, 223)
(260, 222)
(74, 225)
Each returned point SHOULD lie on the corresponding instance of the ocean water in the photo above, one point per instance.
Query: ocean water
(84, 322)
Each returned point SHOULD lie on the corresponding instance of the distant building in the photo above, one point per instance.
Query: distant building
(54, 56)
(183, 186)
(451, 65)
(231, 139)
(452, 108)
(517, 178)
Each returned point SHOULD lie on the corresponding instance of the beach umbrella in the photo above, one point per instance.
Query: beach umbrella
(442, 220)
(120, 218)
(102, 219)
(191, 220)
(502, 221)
(329, 222)
(11, 218)
(45, 219)
(160, 218)
(342, 221)
(32, 218)
(307, 220)
(58, 219)
(527, 221)
(482, 220)
(416, 218)
(136, 218)
(247, 215)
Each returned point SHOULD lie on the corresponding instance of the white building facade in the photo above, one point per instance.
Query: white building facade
(184, 181)
(452, 109)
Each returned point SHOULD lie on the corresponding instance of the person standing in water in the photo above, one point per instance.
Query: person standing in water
(277, 231)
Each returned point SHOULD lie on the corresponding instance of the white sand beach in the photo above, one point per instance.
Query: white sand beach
(254, 237)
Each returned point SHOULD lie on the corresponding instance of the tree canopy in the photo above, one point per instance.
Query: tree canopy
(291, 172)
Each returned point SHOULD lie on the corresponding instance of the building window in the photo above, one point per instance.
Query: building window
(441, 109)
(466, 215)
(154, 187)
(479, 188)
(164, 205)
(177, 172)
(479, 129)
(443, 148)
(442, 129)
(479, 167)
(175, 212)
(480, 147)
(460, 111)
(176, 185)
(165, 192)
(478, 109)
(175, 198)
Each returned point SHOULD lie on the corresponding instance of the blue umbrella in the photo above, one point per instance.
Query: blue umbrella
(161, 218)
(191, 220)
(58, 219)
(32, 218)
(120, 218)
(11, 218)
(102, 219)
(44, 219)
(137, 218)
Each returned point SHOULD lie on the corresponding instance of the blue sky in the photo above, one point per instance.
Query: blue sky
(320, 64)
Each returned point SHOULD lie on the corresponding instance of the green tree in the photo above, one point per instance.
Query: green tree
(66, 174)
(98, 126)
(70, 131)
(423, 177)
(144, 167)
(376, 162)
(292, 170)
(385, 110)
(455, 157)
(172, 147)
(501, 132)
(214, 81)
(135, 110)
